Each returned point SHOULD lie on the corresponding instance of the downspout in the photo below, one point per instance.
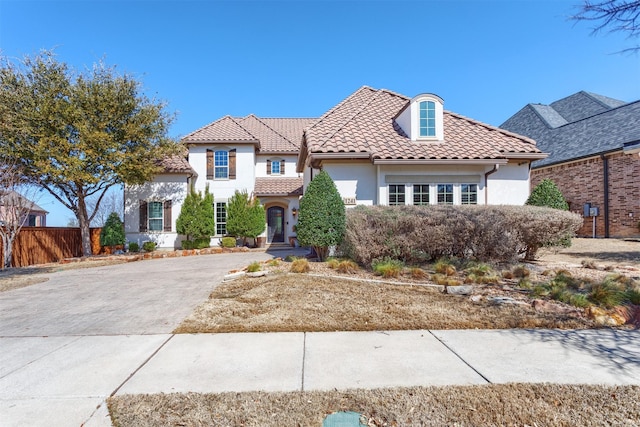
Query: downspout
(486, 182)
(605, 172)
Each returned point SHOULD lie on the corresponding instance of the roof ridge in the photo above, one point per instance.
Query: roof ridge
(600, 113)
(340, 104)
(275, 131)
(376, 94)
(244, 128)
(491, 127)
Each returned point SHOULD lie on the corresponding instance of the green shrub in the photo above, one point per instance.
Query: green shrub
(196, 220)
(112, 233)
(387, 267)
(606, 294)
(290, 258)
(633, 296)
(547, 194)
(196, 244)
(579, 300)
(149, 246)
(134, 247)
(254, 266)
(300, 265)
(228, 242)
(245, 216)
(273, 263)
(321, 218)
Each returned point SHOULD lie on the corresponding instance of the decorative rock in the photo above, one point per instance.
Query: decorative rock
(505, 300)
(257, 274)
(459, 290)
(551, 307)
(605, 318)
(475, 298)
(233, 276)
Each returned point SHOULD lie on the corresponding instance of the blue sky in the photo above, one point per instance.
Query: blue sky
(486, 59)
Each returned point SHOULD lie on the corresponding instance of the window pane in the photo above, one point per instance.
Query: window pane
(469, 193)
(445, 194)
(221, 218)
(396, 195)
(421, 194)
(155, 209)
(155, 224)
(427, 118)
(275, 167)
(221, 163)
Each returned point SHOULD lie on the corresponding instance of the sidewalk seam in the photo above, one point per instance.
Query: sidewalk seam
(460, 357)
(304, 355)
(142, 365)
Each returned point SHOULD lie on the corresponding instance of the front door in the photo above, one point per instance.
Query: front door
(275, 222)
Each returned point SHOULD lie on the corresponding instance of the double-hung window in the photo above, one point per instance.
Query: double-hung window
(421, 194)
(221, 218)
(396, 195)
(221, 164)
(445, 194)
(469, 194)
(275, 167)
(155, 216)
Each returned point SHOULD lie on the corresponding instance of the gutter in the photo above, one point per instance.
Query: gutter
(486, 182)
(605, 185)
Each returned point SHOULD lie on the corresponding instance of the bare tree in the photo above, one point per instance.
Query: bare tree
(612, 16)
(14, 207)
(113, 201)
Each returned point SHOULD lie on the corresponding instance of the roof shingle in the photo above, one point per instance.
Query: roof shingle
(278, 187)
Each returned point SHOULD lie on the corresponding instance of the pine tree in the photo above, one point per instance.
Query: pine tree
(322, 217)
(197, 219)
(245, 216)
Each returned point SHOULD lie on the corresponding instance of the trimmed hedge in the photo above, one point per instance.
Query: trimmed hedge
(417, 234)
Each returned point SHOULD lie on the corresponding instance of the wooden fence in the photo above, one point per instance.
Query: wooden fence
(41, 245)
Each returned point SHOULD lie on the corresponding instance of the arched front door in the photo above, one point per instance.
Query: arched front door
(275, 223)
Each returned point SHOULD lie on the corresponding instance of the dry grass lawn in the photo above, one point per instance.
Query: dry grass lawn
(487, 405)
(299, 302)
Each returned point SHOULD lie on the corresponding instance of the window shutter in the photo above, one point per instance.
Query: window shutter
(167, 215)
(232, 164)
(268, 167)
(143, 215)
(209, 164)
(282, 167)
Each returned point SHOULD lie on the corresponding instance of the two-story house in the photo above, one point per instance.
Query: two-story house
(379, 147)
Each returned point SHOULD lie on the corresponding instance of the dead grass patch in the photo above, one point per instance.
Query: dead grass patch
(302, 303)
(485, 405)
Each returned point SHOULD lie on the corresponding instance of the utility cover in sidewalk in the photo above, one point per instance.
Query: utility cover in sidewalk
(342, 419)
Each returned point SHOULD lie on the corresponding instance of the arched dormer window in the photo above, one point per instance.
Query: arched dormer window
(422, 119)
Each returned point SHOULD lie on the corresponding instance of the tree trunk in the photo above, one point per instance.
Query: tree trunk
(83, 222)
(7, 247)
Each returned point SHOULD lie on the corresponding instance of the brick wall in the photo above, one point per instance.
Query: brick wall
(582, 182)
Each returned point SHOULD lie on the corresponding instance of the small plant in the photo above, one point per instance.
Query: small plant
(134, 247)
(112, 233)
(228, 242)
(521, 271)
(253, 267)
(388, 267)
(444, 266)
(149, 246)
(524, 283)
(439, 279)
(508, 274)
(290, 258)
(333, 263)
(347, 266)
(606, 294)
(273, 263)
(417, 273)
(589, 264)
(453, 282)
(633, 296)
(579, 300)
(300, 265)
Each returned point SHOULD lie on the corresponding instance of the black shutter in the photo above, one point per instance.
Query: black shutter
(232, 164)
(282, 167)
(167, 215)
(209, 164)
(268, 167)
(143, 215)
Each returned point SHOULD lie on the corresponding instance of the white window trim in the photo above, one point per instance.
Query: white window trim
(215, 209)
(215, 177)
(439, 118)
(149, 218)
(279, 161)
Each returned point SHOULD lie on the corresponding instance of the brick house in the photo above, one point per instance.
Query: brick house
(593, 143)
(379, 147)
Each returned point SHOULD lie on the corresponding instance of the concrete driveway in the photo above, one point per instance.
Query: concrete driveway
(136, 298)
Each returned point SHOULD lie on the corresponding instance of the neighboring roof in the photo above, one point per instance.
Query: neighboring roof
(20, 200)
(596, 125)
(177, 164)
(271, 135)
(278, 187)
(363, 124)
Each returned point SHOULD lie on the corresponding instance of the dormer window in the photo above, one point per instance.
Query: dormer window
(427, 112)
(423, 118)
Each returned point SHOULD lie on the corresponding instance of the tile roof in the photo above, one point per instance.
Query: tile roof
(177, 164)
(271, 135)
(611, 127)
(278, 187)
(225, 129)
(364, 124)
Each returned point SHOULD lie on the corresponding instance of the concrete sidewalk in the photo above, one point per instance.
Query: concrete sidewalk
(64, 381)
